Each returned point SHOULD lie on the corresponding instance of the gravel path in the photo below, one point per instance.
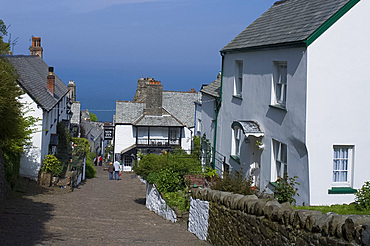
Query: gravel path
(99, 212)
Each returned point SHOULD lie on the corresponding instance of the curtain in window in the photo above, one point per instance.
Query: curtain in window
(340, 165)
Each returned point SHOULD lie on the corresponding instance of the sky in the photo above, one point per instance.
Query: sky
(105, 46)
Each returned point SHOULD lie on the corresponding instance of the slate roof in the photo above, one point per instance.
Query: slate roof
(179, 110)
(286, 22)
(213, 89)
(33, 72)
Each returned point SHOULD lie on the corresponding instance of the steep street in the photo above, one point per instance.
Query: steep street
(99, 212)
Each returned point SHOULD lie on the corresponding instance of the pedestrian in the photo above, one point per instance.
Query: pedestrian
(95, 160)
(100, 160)
(111, 170)
(116, 169)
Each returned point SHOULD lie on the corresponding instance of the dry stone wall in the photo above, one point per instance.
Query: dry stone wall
(246, 220)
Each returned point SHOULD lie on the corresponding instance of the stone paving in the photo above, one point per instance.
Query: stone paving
(99, 212)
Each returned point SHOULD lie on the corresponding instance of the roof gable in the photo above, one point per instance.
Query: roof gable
(33, 72)
(291, 22)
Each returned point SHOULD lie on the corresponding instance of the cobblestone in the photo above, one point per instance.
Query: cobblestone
(99, 212)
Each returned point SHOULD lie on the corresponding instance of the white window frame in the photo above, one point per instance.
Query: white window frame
(342, 163)
(238, 80)
(280, 84)
(237, 139)
(279, 160)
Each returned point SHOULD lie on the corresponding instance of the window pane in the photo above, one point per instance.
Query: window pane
(283, 153)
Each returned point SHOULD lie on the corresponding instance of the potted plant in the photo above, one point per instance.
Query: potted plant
(51, 167)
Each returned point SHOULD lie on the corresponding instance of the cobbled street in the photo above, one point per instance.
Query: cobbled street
(99, 212)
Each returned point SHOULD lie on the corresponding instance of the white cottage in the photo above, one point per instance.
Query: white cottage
(153, 122)
(46, 98)
(294, 98)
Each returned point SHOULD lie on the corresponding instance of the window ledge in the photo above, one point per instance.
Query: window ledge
(238, 97)
(278, 106)
(235, 158)
(342, 190)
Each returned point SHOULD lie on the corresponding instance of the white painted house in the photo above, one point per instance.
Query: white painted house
(153, 122)
(295, 98)
(46, 98)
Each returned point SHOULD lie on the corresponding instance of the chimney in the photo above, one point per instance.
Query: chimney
(36, 49)
(72, 90)
(153, 98)
(51, 80)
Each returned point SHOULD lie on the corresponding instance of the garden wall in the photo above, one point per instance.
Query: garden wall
(246, 220)
(155, 202)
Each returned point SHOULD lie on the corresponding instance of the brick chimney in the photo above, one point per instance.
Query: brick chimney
(51, 80)
(36, 49)
(153, 98)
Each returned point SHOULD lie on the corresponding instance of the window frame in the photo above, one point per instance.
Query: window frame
(350, 163)
(238, 80)
(280, 84)
(279, 161)
(237, 135)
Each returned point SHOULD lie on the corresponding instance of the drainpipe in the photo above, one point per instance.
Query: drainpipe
(217, 110)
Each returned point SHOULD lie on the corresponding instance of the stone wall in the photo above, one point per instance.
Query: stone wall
(246, 220)
(155, 202)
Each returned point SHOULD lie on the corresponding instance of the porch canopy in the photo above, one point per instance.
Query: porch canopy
(249, 128)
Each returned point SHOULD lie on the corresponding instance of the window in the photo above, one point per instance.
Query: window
(236, 143)
(238, 85)
(342, 163)
(280, 84)
(279, 163)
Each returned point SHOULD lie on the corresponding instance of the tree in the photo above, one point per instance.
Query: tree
(15, 127)
(93, 117)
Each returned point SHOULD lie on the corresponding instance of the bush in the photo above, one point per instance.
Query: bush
(53, 165)
(235, 183)
(90, 169)
(285, 189)
(178, 200)
(166, 180)
(362, 197)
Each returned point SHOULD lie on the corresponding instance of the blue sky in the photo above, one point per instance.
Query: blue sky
(105, 46)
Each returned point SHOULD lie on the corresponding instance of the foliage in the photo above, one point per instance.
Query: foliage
(285, 190)
(196, 148)
(235, 183)
(178, 200)
(90, 169)
(15, 127)
(93, 117)
(64, 147)
(52, 164)
(167, 172)
(362, 197)
(339, 209)
(80, 146)
(210, 173)
(108, 151)
(167, 180)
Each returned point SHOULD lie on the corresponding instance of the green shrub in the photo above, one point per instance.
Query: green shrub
(178, 200)
(285, 190)
(166, 180)
(90, 169)
(53, 165)
(362, 197)
(209, 172)
(235, 183)
(80, 146)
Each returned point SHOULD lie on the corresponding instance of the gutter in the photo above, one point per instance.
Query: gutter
(217, 110)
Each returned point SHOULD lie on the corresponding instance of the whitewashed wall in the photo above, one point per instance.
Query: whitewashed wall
(284, 126)
(186, 139)
(124, 137)
(338, 102)
(31, 159)
(198, 218)
(154, 202)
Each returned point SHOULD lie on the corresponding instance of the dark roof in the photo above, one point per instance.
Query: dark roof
(289, 22)
(33, 72)
(213, 89)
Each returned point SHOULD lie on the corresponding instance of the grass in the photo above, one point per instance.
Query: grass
(339, 209)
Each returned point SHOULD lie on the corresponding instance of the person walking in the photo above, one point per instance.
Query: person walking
(100, 160)
(110, 170)
(116, 165)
